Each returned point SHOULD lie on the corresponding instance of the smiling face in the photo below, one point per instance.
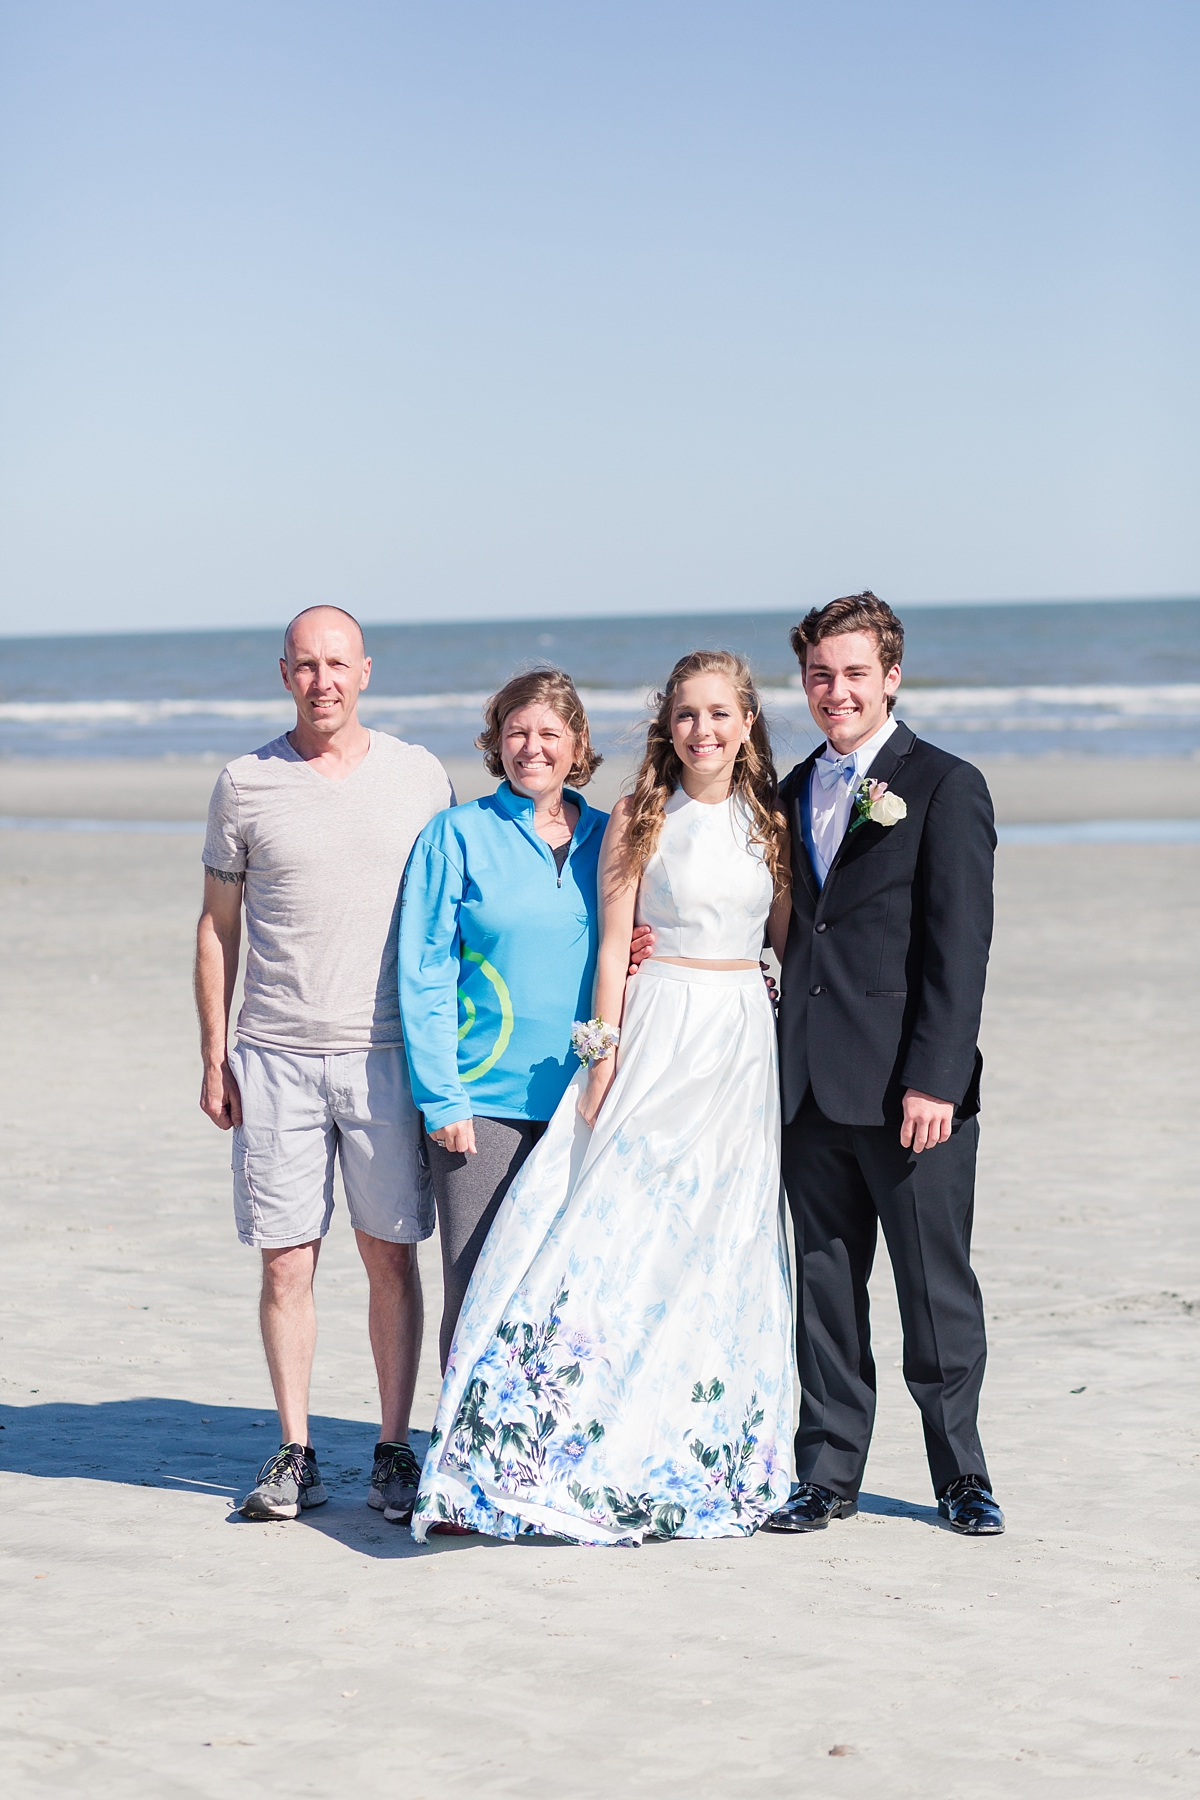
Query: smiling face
(325, 670)
(708, 728)
(848, 688)
(537, 750)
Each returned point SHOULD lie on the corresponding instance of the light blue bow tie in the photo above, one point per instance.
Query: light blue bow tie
(841, 768)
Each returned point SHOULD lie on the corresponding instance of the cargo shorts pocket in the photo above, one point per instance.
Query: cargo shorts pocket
(244, 1211)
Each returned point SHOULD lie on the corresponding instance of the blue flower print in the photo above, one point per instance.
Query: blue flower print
(677, 1481)
(567, 1454)
(511, 1389)
(578, 1344)
(494, 1362)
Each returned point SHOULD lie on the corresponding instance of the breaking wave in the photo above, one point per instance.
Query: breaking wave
(1097, 708)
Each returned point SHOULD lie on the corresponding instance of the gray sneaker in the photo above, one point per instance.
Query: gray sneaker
(287, 1481)
(395, 1479)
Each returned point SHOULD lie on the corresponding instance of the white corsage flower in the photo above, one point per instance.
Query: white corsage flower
(593, 1040)
(874, 804)
(886, 808)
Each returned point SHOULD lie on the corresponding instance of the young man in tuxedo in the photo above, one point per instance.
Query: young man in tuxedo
(881, 993)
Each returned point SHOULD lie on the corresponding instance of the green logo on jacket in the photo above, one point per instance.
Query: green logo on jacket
(506, 1017)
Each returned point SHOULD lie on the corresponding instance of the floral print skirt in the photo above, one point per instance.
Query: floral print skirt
(623, 1366)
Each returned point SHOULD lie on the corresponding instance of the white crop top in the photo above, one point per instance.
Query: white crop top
(706, 890)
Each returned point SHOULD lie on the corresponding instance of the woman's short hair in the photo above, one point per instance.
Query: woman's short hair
(539, 687)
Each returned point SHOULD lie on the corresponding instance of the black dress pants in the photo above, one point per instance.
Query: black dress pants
(843, 1182)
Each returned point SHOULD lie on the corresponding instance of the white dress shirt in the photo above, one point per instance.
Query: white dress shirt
(829, 807)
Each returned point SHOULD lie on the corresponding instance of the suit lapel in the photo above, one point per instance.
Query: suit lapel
(885, 767)
(801, 823)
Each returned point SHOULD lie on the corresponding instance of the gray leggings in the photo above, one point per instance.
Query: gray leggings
(469, 1190)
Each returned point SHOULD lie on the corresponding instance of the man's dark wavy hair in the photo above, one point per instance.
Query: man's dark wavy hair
(853, 612)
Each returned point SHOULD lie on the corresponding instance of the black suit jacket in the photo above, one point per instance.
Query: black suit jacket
(884, 967)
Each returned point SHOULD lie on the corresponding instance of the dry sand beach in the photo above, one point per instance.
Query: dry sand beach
(156, 1644)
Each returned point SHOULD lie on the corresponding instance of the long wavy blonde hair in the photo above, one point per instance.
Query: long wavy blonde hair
(754, 780)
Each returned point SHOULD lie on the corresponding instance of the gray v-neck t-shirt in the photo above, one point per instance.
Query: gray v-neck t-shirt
(323, 863)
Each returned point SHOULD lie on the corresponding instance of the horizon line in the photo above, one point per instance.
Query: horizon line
(592, 617)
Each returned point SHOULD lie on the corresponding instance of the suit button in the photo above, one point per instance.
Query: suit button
(817, 990)
(822, 926)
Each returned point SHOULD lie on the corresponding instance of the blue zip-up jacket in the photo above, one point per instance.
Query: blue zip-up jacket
(497, 958)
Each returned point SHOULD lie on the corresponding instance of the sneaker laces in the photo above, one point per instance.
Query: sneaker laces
(397, 1460)
(289, 1459)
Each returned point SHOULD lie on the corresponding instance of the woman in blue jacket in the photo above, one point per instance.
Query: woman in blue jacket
(498, 939)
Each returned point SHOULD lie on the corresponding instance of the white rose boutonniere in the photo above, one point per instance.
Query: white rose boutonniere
(886, 809)
(874, 804)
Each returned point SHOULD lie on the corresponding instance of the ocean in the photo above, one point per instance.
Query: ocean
(1114, 678)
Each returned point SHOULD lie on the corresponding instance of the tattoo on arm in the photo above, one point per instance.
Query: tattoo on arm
(224, 874)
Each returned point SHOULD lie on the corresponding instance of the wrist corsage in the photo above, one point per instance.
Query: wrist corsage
(594, 1041)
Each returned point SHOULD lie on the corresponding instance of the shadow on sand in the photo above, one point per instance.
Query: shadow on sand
(178, 1447)
(887, 1507)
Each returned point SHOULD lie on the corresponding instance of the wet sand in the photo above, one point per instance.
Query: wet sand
(156, 1644)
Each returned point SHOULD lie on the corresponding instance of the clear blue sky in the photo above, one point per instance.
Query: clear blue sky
(540, 306)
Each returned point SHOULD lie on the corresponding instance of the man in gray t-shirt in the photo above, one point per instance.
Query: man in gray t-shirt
(312, 834)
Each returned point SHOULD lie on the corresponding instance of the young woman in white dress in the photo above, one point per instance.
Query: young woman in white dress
(623, 1365)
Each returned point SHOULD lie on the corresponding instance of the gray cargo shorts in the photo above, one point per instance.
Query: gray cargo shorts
(300, 1110)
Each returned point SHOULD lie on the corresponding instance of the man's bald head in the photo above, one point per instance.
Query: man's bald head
(325, 668)
(321, 617)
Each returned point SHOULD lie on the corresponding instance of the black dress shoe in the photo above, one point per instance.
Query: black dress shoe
(810, 1508)
(970, 1508)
